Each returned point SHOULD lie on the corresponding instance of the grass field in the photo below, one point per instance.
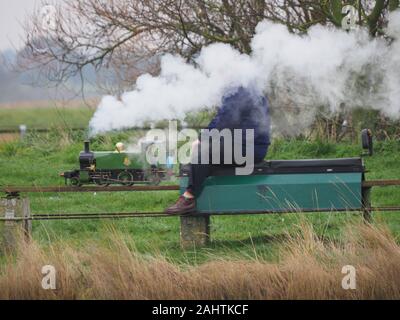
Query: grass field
(309, 267)
(44, 116)
(39, 159)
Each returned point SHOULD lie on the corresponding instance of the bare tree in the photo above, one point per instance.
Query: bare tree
(301, 14)
(128, 36)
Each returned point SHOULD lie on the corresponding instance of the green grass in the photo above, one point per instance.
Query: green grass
(43, 118)
(77, 116)
(39, 159)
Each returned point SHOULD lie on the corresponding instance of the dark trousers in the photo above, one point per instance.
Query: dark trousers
(199, 172)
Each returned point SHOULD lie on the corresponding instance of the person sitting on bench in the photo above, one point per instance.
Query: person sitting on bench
(242, 108)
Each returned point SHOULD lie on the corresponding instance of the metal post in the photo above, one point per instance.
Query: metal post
(195, 230)
(27, 222)
(17, 212)
(366, 204)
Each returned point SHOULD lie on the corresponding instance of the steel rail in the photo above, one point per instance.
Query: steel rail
(124, 215)
(97, 217)
(106, 214)
(381, 183)
(88, 216)
(40, 189)
(44, 189)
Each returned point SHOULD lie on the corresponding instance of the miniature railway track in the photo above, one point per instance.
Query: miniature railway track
(124, 215)
(13, 191)
(40, 189)
(380, 183)
(44, 189)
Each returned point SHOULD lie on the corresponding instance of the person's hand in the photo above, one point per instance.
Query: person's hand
(195, 144)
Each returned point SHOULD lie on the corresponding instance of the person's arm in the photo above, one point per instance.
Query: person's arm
(221, 119)
(213, 122)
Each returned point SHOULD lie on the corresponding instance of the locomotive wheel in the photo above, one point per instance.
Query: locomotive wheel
(155, 179)
(101, 183)
(125, 178)
(75, 182)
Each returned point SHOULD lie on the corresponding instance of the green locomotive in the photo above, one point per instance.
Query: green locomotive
(112, 167)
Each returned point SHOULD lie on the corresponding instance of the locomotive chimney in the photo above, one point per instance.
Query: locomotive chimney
(87, 146)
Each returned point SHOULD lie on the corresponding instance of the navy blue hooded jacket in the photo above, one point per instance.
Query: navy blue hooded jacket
(244, 109)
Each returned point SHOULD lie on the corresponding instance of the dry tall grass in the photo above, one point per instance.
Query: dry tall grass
(309, 268)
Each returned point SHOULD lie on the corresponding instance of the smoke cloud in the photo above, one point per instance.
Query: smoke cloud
(327, 67)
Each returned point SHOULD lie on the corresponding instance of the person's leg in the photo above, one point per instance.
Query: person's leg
(197, 174)
(189, 193)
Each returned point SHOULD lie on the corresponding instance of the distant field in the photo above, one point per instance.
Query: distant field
(44, 115)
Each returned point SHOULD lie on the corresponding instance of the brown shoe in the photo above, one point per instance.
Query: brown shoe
(183, 205)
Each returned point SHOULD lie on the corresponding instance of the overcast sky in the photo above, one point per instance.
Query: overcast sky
(12, 14)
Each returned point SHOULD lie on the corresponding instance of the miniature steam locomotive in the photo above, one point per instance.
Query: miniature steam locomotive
(112, 167)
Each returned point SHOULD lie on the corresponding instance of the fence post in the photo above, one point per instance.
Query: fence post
(195, 230)
(366, 204)
(27, 222)
(22, 131)
(16, 213)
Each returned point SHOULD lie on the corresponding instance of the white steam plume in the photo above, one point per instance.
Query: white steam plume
(321, 68)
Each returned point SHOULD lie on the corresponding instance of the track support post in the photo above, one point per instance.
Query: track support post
(195, 230)
(366, 204)
(17, 225)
